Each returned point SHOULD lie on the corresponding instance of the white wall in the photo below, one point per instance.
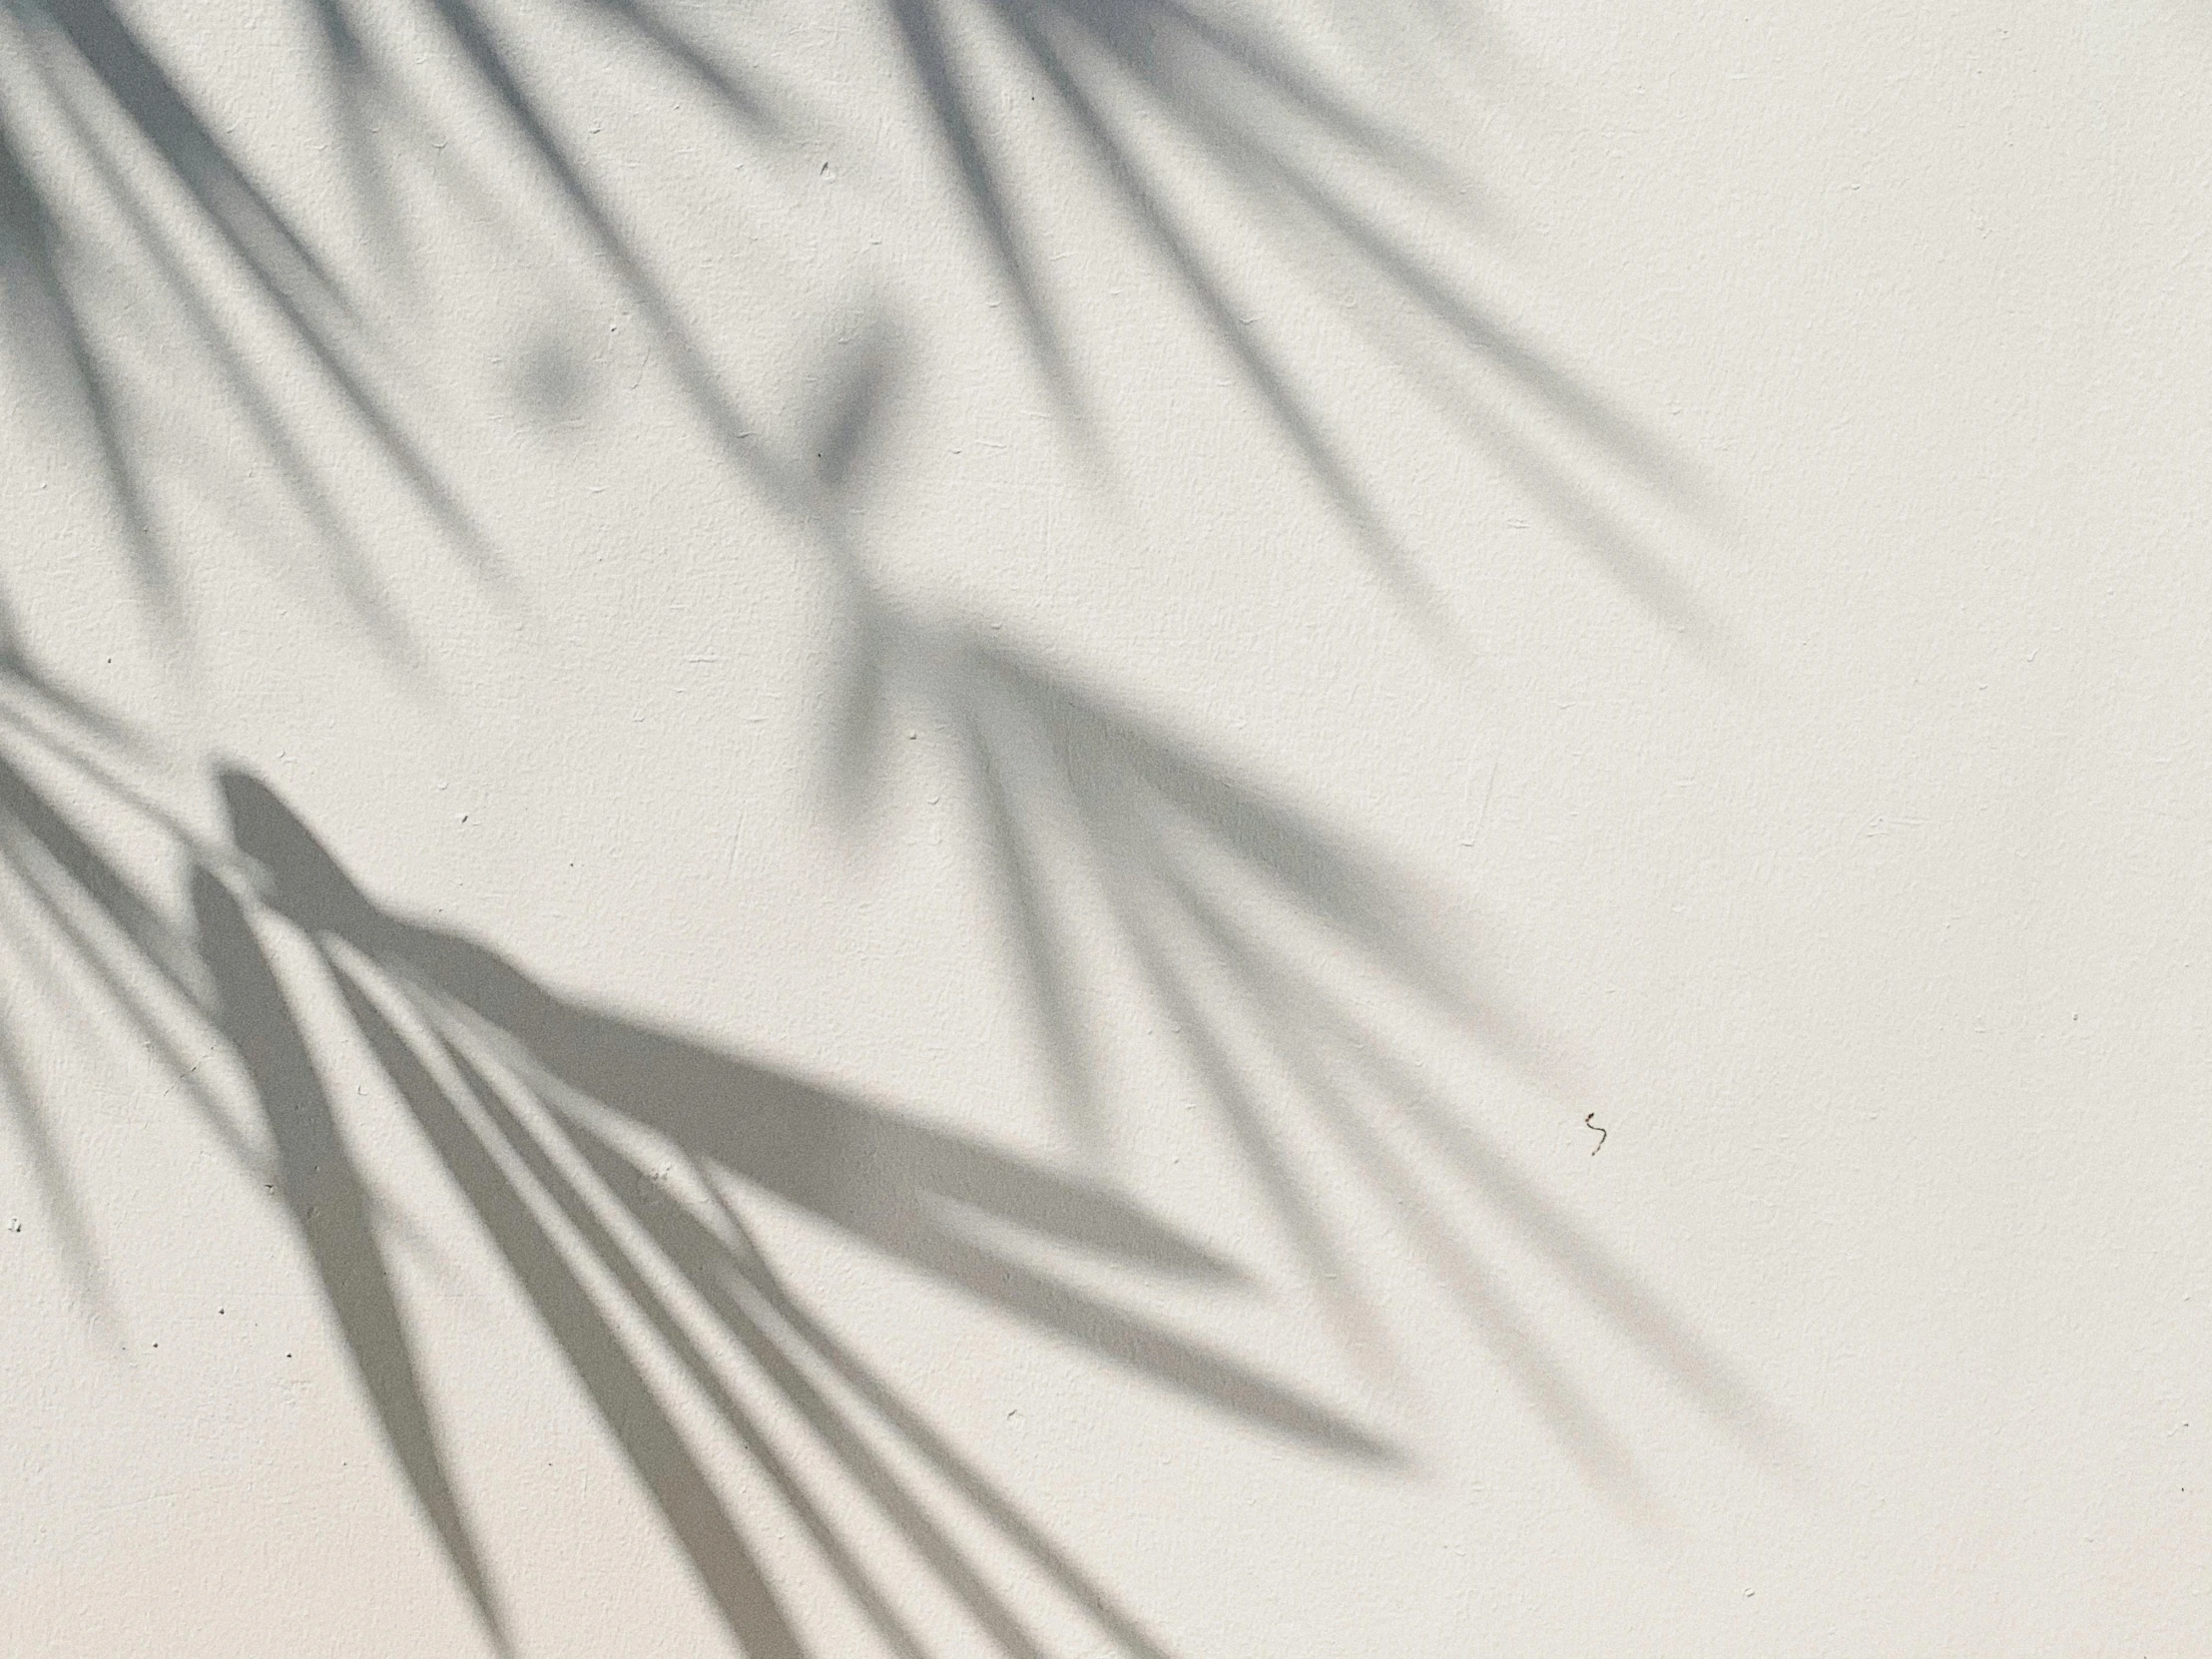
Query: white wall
(1866, 912)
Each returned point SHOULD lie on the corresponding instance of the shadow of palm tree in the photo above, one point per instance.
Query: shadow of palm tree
(557, 1123)
(67, 900)
(96, 136)
(1309, 162)
(1229, 902)
(554, 1120)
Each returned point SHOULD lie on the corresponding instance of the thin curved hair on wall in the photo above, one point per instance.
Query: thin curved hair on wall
(140, 247)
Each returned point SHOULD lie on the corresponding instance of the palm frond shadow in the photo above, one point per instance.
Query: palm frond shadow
(1309, 161)
(71, 901)
(100, 122)
(557, 1125)
(87, 929)
(1227, 903)
(94, 129)
(554, 1122)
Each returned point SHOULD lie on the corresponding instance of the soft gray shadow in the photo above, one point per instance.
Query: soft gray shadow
(1308, 159)
(551, 1117)
(1090, 810)
(95, 135)
(556, 1124)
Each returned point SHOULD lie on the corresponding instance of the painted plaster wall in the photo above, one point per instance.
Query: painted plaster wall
(1864, 907)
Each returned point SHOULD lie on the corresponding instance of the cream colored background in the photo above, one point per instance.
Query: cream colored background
(1873, 924)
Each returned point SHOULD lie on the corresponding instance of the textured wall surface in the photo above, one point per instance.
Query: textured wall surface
(1764, 719)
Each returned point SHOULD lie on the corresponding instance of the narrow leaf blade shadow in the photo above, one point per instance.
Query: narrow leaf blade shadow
(330, 1206)
(893, 1183)
(57, 1186)
(695, 1516)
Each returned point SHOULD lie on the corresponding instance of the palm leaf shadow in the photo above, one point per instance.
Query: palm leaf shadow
(103, 84)
(554, 1095)
(95, 108)
(1225, 901)
(29, 1117)
(73, 901)
(105, 113)
(548, 1118)
(48, 334)
(1247, 107)
(1238, 101)
(330, 1208)
(53, 876)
